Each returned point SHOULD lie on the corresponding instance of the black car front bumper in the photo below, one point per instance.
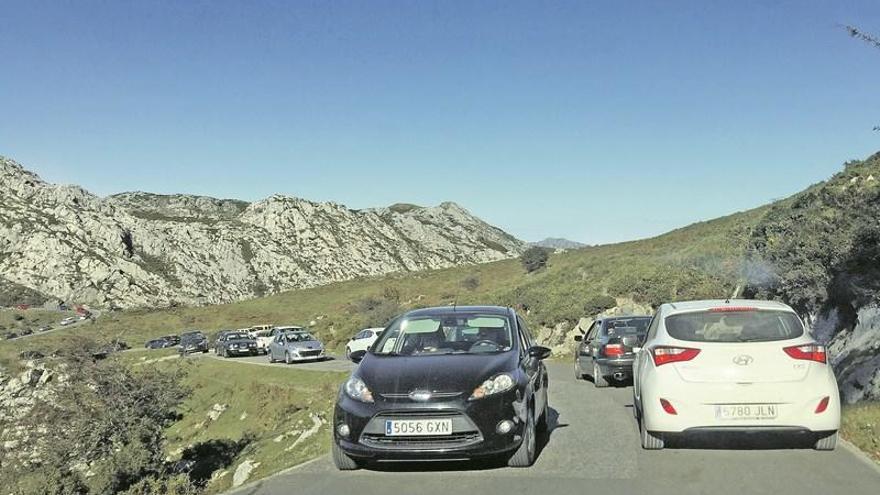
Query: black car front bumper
(473, 435)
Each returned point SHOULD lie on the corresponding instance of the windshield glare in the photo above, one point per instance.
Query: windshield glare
(738, 326)
(300, 337)
(446, 334)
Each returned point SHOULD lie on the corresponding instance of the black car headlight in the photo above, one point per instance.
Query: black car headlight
(357, 390)
(495, 385)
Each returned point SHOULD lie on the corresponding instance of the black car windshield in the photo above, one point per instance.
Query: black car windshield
(627, 326)
(446, 334)
(735, 326)
(237, 336)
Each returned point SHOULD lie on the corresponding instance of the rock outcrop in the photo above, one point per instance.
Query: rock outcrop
(855, 354)
(141, 249)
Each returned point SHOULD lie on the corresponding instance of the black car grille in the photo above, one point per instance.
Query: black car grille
(464, 432)
(432, 442)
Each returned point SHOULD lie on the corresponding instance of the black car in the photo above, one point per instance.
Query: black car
(606, 351)
(235, 344)
(444, 383)
(161, 343)
(194, 341)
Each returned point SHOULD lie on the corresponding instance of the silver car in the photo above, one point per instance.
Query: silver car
(295, 346)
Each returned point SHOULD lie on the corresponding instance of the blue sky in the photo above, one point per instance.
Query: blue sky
(598, 121)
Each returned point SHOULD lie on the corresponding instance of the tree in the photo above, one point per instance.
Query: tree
(534, 258)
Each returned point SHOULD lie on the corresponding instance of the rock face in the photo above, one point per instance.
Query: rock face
(141, 249)
(855, 354)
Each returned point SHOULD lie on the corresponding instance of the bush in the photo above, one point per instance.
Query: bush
(534, 258)
(108, 416)
(598, 304)
(471, 282)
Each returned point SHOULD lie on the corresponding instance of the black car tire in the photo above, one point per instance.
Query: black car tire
(544, 422)
(598, 379)
(205, 351)
(286, 358)
(828, 442)
(525, 454)
(342, 461)
(650, 441)
(225, 353)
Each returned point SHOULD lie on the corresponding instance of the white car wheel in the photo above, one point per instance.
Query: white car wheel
(650, 441)
(827, 443)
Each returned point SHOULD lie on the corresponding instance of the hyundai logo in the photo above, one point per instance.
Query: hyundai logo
(743, 360)
(420, 395)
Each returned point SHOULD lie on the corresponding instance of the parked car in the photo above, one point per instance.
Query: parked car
(44, 328)
(174, 339)
(607, 350)
(749, 366)
(193, 341)
(295, 346)
(444, 383)
(10, 335)
(362, 340)
(68, 321)
(234, 343)
(267, 336)
(160, 343)
(264, 335)
(26, 331)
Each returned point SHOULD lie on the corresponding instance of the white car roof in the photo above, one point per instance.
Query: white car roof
(688, 306)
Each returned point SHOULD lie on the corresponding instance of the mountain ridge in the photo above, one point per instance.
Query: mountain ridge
(144, 249)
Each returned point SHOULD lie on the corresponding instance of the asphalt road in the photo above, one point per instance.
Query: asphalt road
(594, 448)
(333, 363)
(56, 326)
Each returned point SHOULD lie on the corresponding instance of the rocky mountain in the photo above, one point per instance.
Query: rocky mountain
(558, 243)
(141, 249)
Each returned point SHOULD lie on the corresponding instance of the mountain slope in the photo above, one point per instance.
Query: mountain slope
(141, 249)
(558, 243)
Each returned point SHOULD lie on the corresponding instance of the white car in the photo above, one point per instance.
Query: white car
(263, 335)
(741, 365)
(68, 321)
(362, 340)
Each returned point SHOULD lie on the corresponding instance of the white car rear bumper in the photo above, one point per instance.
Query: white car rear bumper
(782, 405)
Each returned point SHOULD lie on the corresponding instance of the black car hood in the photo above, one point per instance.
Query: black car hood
(442, 373)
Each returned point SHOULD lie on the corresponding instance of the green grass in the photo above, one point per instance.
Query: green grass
(860, 425)
(701, 260)
(263, 404)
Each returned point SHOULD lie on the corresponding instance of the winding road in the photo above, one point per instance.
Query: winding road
(594, 448)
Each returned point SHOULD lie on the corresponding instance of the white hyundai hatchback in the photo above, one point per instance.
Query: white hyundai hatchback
(735, 365)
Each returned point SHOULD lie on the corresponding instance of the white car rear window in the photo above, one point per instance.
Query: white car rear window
(724, 325)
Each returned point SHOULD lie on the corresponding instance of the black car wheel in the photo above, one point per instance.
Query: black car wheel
(525, 454)
(598, 379)
(342, 461)
(544, 422)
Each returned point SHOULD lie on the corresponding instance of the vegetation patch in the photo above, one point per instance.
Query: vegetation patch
(860, 425)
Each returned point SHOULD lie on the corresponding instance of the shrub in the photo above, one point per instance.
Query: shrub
(471, 282)
(534, 258)
(598, 304)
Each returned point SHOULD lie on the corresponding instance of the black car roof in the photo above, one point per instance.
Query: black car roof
(451, 310)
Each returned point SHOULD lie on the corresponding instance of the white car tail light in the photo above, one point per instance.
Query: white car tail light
(808, 352)
(668, 354)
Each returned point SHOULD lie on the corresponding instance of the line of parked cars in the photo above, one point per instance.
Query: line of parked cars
(469, 382)
(289, 344)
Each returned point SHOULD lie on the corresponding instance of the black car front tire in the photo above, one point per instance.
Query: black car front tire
(525, 454)
(342, 461)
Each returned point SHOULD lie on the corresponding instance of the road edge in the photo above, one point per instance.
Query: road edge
(256, 483)
(860, 454)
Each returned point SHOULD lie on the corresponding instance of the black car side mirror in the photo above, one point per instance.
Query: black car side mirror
(357, 356)
(578, 338)
(539, 352)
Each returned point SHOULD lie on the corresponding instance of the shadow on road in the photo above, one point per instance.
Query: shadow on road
(202, 459)
(544, 439)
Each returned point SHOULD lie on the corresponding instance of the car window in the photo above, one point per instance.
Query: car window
(736, 325)
(594, 328)
(652, 327)
(458, 333)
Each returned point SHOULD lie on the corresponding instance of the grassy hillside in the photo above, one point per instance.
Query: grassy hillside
(702, 260)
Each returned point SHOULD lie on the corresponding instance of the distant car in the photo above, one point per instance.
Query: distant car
(607, 350)
(68, 321)
(233, 343)
(44, 328)
(193, 341)
(160, 343)
(295, 346)
(362, 341)
(263, 335)
(26, 331)
(10, 335)
(267, 336)
(746, 366)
